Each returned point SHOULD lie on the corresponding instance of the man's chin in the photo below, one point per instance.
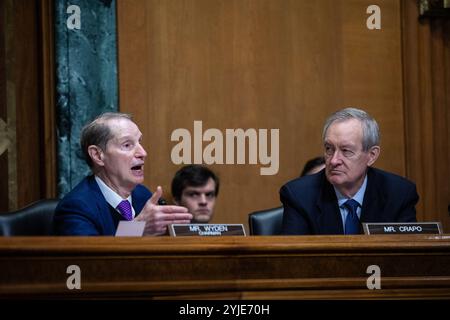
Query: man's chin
(138, 179)
(202, 218)
(335, 179)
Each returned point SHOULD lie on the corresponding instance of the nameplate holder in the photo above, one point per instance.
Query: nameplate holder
(403, 228)
(206, 229)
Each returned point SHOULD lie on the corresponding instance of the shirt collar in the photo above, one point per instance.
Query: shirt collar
(359, 196)
(110, 195)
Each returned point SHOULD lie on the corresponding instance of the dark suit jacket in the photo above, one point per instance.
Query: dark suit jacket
(85, 212)
(311, 207)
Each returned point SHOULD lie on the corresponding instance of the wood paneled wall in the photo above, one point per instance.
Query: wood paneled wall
(21, 165)
(258, 64)
(247, 64)
(426, 63)
(3, 112)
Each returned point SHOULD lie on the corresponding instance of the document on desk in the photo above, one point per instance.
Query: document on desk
(130, 229)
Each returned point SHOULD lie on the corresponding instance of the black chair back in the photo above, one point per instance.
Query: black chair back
(266, 222)
(35, 219)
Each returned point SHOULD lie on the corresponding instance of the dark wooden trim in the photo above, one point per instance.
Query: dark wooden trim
(4, 190)
(297, 267)
(48, 97)
(28, 104)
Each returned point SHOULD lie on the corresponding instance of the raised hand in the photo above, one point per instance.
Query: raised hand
(158, 217)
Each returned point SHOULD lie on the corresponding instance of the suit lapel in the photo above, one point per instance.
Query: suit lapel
(329, 216)
(109, 222)
(374, 200)
(139, 200)
(102, 205)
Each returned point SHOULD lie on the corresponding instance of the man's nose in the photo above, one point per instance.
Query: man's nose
(203, 198)
(336, 157)
(140, 151)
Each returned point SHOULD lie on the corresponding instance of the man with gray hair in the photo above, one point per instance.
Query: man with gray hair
(114, 192)
(349, 191)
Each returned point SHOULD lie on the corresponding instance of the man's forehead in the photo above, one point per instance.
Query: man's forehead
(351, 123)
(351, 128)
(208, 186)
(342, 142)
(123, 128)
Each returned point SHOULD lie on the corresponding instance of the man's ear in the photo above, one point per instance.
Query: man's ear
(96, 155)
(374, 152)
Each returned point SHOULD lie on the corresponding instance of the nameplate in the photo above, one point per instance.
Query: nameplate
(207, 229)
(403, 228)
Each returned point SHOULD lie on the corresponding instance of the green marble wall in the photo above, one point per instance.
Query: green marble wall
(86, 77)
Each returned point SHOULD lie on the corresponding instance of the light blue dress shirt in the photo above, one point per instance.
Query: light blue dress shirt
(359, 197)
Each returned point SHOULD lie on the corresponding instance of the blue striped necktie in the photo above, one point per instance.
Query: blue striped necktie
(352, 225)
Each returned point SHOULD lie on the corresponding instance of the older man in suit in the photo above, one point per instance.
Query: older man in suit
(114, 192)
(348, 191)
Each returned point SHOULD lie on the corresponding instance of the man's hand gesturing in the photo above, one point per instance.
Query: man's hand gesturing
(158, 217)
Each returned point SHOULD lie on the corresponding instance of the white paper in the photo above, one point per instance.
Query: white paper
(130, 229)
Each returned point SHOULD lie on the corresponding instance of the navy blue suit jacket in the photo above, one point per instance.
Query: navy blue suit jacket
(85, 212)
(311, 207)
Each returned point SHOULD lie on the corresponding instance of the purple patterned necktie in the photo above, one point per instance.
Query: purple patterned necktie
(125, 209)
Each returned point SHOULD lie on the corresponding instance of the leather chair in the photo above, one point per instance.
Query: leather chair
(266, 222)
(35, 219)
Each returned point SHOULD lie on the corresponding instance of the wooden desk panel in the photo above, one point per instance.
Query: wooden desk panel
(306, 267)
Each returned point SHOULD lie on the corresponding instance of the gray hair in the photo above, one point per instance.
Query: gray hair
(371, 132)
(98, 133)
